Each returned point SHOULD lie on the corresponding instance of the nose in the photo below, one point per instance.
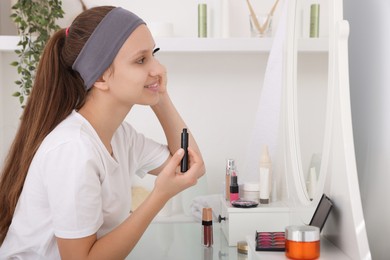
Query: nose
(157, 69)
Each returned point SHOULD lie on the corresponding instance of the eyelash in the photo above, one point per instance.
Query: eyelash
(142, 60)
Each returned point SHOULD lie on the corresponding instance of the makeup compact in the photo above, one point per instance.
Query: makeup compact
(296, 238)
(242, 203)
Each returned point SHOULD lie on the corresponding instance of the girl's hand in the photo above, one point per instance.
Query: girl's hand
(171, 181)
(163, 79)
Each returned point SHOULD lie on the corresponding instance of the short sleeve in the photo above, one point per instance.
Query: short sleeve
(73, 182)
(148, 153)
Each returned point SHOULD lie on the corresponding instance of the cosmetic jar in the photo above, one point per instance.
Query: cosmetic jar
(251, 191)
(242, 247)
(302, 242)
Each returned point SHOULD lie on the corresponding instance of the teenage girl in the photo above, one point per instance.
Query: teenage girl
(65, 189)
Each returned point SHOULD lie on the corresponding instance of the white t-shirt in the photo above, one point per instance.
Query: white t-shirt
(75, 188)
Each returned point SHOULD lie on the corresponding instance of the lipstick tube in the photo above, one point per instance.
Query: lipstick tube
(184, 145)
(207, 227)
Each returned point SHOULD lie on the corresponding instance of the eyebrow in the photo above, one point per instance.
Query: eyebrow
(145, 51)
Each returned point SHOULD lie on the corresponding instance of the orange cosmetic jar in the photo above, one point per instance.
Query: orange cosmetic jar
(302, 242)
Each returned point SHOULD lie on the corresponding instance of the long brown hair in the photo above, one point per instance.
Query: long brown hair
(57, 90)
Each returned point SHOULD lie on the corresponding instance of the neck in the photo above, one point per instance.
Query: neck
(104, 120)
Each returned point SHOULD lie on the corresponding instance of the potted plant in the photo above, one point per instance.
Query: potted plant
(35, 21)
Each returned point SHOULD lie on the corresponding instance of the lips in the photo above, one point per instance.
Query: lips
(153, 86)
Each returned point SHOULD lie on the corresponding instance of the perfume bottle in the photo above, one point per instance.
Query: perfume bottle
(229, 167)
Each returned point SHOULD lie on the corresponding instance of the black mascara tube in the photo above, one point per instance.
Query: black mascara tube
(184, 145)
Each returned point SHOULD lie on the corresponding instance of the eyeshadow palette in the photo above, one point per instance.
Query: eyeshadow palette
(275, 241)
(270, 241)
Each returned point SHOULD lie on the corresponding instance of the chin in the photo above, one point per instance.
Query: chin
(151, 101)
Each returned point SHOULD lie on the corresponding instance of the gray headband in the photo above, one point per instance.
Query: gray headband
(104, 43)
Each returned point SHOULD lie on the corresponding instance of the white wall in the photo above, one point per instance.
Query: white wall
(369, 56)
(217, 94)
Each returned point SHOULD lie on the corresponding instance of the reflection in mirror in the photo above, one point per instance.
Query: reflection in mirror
(310, 97)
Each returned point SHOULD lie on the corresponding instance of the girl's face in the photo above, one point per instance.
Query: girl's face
(135, 76)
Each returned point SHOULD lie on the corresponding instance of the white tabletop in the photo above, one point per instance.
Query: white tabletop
(181, 241)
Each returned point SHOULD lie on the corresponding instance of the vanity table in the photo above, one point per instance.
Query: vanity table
(182, 240)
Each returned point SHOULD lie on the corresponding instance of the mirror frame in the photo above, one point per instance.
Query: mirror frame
(293, 155)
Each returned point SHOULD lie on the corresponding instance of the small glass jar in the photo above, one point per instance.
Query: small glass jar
(302, 242)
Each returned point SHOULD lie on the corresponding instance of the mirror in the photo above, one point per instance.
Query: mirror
(310, 91)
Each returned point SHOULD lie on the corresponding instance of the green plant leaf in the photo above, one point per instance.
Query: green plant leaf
(32, 18)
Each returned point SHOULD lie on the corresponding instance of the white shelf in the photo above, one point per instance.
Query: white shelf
(8, 43)
(215, 45)
(241, 45)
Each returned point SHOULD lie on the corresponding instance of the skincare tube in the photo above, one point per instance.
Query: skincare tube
(207, 227)
(265, 176)
(264, 186)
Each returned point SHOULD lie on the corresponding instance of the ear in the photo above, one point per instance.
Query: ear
(102, 83)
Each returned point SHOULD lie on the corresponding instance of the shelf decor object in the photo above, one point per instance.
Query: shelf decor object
(35, 21)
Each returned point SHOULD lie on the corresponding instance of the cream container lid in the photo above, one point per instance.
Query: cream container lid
(302, 233)
(242, 247)
(251, 186)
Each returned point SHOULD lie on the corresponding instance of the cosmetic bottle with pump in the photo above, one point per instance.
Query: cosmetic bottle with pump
(230, 166)
(265, 176)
